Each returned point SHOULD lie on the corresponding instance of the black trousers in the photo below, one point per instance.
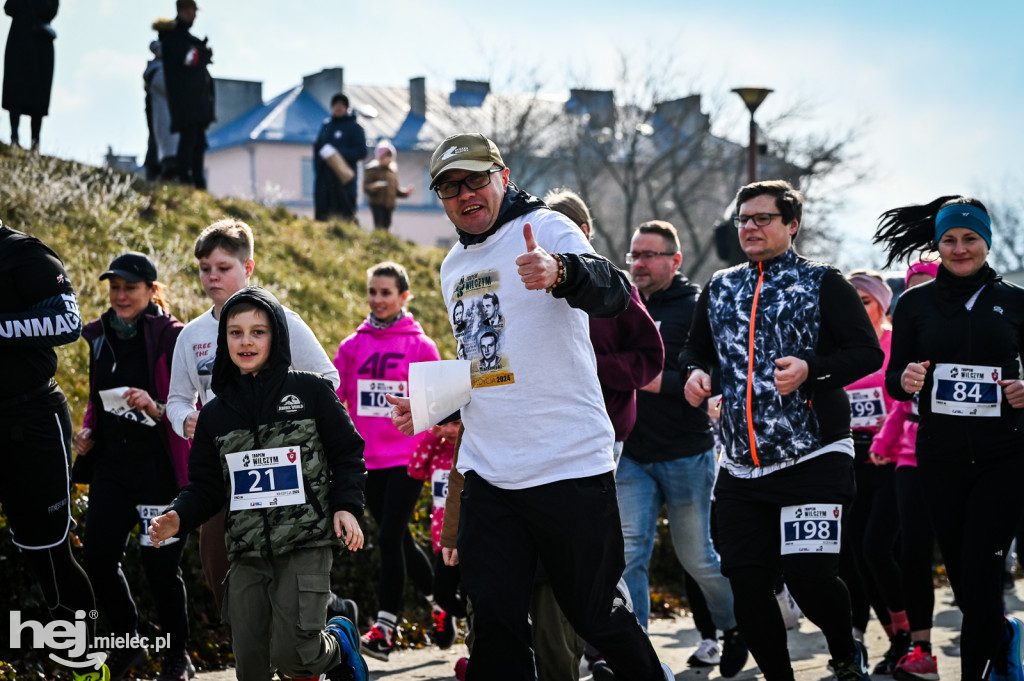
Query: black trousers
(573, 528)
(749, 541)
(874, 537)
(917, 548)
(976, 509)
(110, 518)
(191, 155)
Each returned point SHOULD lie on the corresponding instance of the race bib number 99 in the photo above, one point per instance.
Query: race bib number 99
(867, 407)
(371, 396)
(966, 390)
(811, 528)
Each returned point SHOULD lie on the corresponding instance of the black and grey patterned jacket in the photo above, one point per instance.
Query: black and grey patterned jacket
(793, 307)
(276, 407)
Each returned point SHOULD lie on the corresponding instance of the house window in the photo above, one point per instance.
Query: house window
(307, 177)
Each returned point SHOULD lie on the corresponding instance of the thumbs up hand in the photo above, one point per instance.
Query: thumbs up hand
(537, 268)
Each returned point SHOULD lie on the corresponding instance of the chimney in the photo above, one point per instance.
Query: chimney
(324, 85)
(233, 98)
(418, 96)
(469, 93)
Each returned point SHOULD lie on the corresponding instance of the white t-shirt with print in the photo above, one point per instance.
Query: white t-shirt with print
(536, 413)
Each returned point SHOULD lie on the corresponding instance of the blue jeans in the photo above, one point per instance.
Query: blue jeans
(684, 485)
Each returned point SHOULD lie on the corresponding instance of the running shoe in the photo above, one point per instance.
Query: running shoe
(917, 665)
(121, 660)
(443, 630)
(342, 607)
(601, 671)
(708, 654)
(1007, 665)
(101, 674)
(174, 667)
(376, 644)
(352, 666)
(734, 653)
(899, 645)
(853, 667)
(669, 676)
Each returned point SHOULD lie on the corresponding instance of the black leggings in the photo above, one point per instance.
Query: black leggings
(391, 496)
(64, 583)
(448, 588)
(917, 548)
(874, 532)
(109, 521)
(975, 509)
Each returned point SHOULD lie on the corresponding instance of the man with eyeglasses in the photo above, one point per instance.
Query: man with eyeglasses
(537, 447)
(787, 335)
(669, 456)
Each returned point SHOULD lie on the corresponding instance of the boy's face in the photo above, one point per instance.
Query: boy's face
(223, 274)
(248, 336)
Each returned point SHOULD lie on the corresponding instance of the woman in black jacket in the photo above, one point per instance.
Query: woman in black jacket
(957, 341)
(28, 63)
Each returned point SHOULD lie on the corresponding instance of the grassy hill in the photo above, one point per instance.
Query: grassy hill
(91, 215)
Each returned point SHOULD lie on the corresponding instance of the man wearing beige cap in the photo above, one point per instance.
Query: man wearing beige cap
(537, 448)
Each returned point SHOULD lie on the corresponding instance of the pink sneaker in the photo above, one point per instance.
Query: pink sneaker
(917, 665)
(460, 668)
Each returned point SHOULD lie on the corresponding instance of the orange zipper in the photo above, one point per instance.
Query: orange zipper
(750, 368)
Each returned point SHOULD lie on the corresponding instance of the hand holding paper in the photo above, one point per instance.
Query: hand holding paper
(401, 413)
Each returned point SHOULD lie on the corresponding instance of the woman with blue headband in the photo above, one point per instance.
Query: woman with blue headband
(957, 341)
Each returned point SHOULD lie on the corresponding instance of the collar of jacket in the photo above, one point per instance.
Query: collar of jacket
(515, 204)
(779, 262)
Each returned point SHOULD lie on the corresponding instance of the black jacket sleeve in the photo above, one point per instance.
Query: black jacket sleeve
(848, 348)
(699, 350)
(343, 448)
(49, 315)
(593, 284)
(205, 493)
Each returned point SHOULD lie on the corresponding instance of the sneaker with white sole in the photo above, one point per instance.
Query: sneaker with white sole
(917, 666)
(376, 643)
(708, 654)
(791, 613)
(352, 666)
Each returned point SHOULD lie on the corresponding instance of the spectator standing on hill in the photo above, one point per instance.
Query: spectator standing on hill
(28, 64)
(339, 134)
(189, 89)
(162, 142)
(381, 185)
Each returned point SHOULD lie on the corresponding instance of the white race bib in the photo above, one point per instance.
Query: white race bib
(867, 407)
(439, 486)
(146, 514)
(266, 478)
(966, 390)
(811, 528)
(371, 396)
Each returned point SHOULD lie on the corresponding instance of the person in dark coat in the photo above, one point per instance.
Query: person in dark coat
(346, 136)
(189, 89)
(28, 63)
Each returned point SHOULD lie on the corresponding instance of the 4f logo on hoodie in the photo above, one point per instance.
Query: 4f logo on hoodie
(377, 364)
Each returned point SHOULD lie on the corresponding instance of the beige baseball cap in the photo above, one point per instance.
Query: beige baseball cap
(466, 151)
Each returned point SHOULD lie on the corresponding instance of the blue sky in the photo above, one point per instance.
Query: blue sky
(935, 86)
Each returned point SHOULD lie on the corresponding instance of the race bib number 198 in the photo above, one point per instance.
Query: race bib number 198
(966, 390)
(811, 528)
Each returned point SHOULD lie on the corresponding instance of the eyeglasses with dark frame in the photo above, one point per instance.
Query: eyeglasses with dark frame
(449, 190)
(634, 256)
(759, 219)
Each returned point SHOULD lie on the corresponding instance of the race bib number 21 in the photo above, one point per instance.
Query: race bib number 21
(811, 528)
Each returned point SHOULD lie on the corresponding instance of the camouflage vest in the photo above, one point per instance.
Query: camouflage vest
(274, 531)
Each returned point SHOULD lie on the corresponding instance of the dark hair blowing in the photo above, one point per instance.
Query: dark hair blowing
(788, 200)
(909, 229)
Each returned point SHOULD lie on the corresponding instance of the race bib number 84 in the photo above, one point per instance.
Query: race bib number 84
(966, 390)
(811, 528)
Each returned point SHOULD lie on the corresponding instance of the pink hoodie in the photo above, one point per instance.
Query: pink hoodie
(372, 362)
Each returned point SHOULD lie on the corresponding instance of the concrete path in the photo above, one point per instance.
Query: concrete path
(675, 639)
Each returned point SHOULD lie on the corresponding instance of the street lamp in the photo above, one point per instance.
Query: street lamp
(752, 97)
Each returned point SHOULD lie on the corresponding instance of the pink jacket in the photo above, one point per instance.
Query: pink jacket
(877, 380)
(372, 362)
(898, 436)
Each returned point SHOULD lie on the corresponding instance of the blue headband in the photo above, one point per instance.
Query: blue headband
(964, 215)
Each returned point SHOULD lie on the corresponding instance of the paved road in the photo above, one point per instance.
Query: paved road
(675, 639)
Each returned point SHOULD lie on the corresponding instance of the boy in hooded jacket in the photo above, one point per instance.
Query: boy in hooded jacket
(281, 449)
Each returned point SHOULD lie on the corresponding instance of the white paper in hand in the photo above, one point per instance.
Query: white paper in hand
(115, 404)
(437, 390)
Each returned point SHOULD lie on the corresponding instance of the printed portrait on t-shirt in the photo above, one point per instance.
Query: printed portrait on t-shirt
(480, 328)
